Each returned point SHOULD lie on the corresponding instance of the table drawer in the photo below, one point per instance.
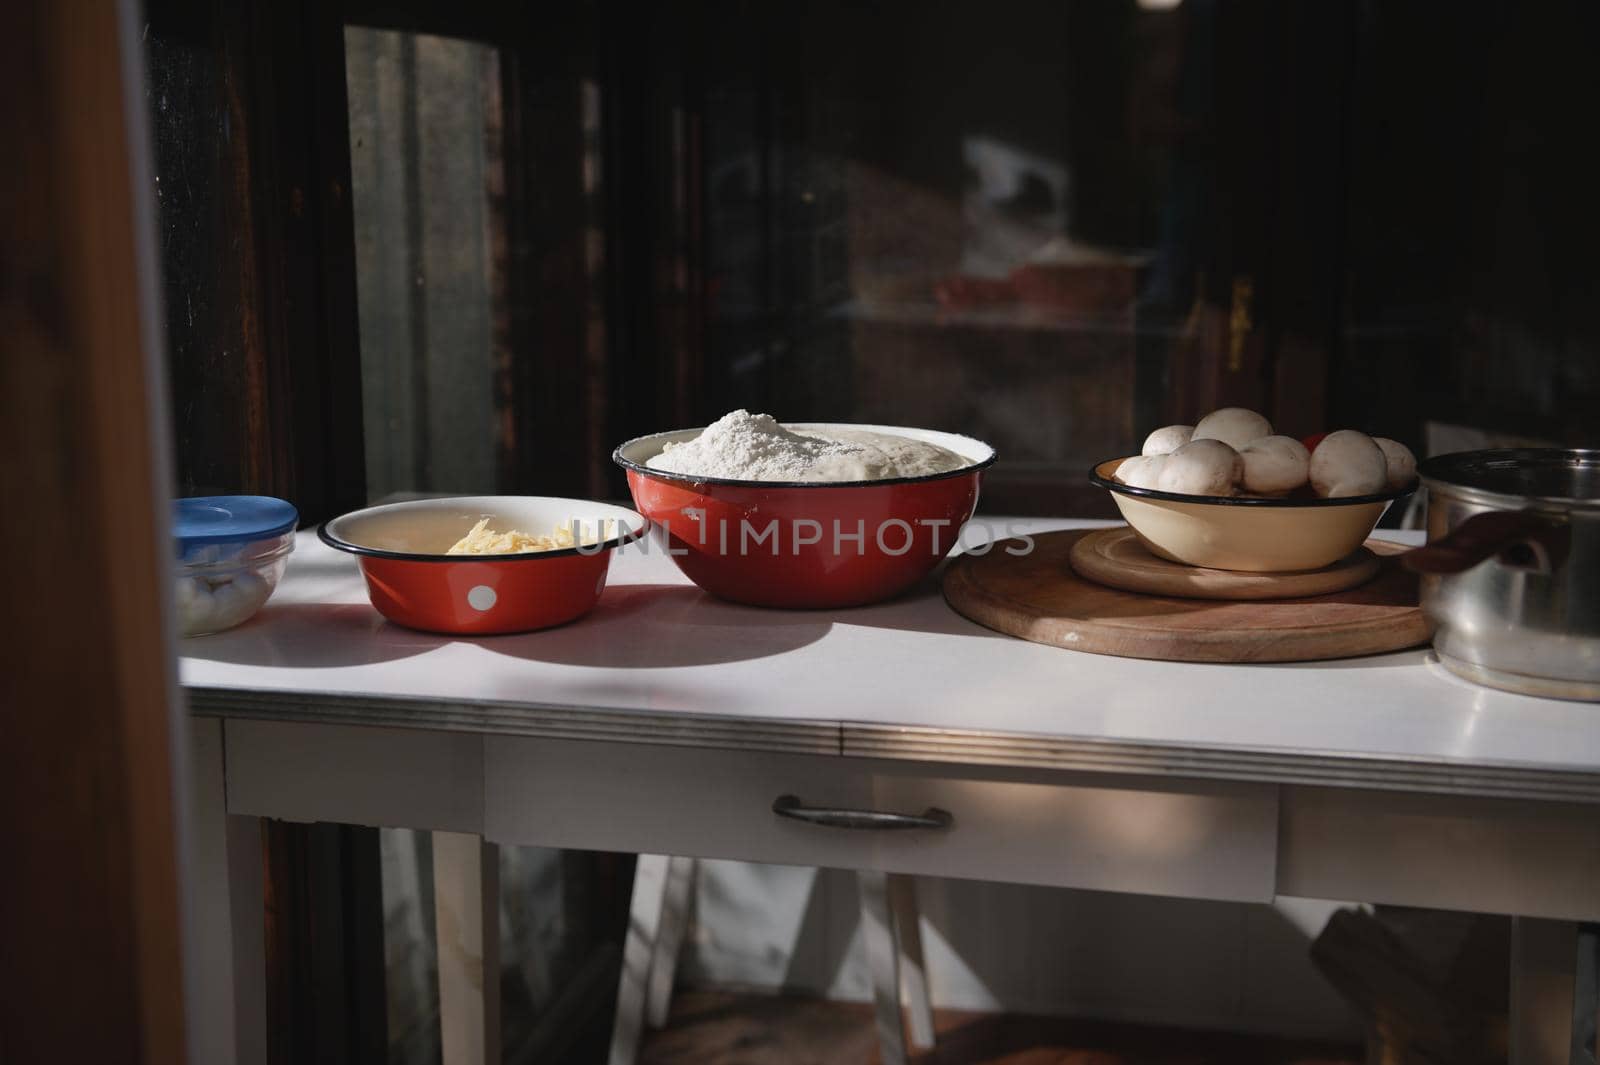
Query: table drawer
(401, 778)
(1195, 839)
(1453, 852)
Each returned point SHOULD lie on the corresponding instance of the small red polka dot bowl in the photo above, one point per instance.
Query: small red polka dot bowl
(412, 581)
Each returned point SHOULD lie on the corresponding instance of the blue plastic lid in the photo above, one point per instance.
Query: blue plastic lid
(203, 520)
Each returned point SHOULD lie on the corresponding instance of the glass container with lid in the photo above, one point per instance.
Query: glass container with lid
(232, 551)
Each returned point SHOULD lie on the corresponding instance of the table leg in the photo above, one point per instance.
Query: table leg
(883, 962)
(669, 939)
(227, 990)
(913, 969)
(466, 903)
(1550, 1023)
(644, 923)
(1586, 1012)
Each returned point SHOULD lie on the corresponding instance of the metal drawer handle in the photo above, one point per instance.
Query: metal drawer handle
(790, 806)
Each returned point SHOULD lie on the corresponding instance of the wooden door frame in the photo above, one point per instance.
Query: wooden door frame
(91, 910)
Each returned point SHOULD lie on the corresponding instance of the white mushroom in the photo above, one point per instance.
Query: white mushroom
(1166, 440)
(194, 603)
(1141, 471)
(1402, 464)
(1274, 465)
(1234, 426)
(1201, 468)
(206, 607)
(1348, 463)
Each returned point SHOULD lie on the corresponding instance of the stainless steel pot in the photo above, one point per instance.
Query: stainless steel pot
(1511, 570)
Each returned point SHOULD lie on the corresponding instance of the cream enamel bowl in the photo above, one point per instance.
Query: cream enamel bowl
(1247, 533)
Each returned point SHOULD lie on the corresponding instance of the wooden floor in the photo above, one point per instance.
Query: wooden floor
(718, 1028)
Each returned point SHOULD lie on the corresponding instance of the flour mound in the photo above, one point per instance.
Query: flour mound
(754, 447)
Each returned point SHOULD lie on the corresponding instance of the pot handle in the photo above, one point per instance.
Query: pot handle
(1520, 539)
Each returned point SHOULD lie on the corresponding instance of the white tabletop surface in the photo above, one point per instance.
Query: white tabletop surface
(656, 644)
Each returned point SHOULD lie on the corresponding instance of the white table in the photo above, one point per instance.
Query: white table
(668, 722)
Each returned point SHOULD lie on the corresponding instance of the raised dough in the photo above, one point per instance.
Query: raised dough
(1141, 471)
(1274, 465)
(1167, 439)
(1201, 468)
(1401, 463)
(1348, 463)
(1234, 426)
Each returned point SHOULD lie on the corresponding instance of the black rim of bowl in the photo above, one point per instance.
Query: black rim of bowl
(1243, 501)
(519, 556)
(682, 478)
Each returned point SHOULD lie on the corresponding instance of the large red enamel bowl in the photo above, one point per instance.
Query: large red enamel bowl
(411, 581)
(806, 544)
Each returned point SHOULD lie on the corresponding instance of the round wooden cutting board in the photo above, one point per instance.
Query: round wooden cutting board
(1038, 597)
(1117, 557)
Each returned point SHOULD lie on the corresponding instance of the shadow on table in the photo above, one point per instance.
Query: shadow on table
(919, 609)
(312, 636)
(1410, 659)
(660, 626)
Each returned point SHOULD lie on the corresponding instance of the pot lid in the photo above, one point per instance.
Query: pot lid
(1515, 477)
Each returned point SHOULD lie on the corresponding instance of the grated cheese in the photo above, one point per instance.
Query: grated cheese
(483, 540)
